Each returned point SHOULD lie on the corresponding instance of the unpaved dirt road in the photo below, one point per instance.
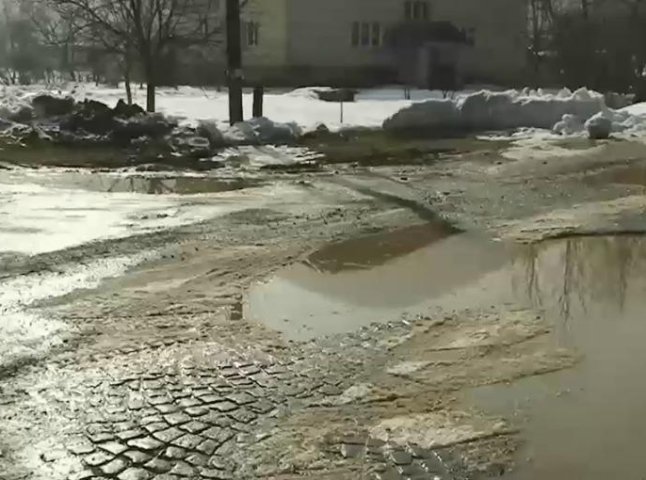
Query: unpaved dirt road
(200, 351)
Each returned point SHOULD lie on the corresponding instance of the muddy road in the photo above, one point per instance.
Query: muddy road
(443, 309)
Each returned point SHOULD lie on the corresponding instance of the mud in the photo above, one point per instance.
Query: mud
(159, 371)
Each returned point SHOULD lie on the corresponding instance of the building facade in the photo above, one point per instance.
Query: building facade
(300, 42)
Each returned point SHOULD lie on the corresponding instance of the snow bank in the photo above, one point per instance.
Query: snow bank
(261, 131)
(486, 110)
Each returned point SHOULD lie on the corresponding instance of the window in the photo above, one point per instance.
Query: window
(416, 10)
(356, 27)
(366, 34)
(253, 33)
(376, 34)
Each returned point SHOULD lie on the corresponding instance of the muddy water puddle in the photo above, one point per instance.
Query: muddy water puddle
(151, 184)
(583, 422)
(373, 279)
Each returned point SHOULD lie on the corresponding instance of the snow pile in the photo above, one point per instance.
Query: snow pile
(261, 131)
(599, 126)
(486, 110)
(15, 104)
(568, 125)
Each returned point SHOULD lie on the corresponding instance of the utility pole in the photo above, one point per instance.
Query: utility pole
(234, 61)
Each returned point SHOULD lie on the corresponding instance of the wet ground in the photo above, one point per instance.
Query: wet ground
(463, 315)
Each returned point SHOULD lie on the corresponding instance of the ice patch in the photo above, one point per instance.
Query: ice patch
(26, 332)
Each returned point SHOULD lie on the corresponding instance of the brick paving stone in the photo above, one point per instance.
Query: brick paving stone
(135, 404)
(194, 427)
(158, 465)
(241, 398)
(115, 448)
(225, 406)
(189, 402)
(146, 443)
(115, 466)
(216, 462)
(212, 398)
(217, 434)
(134, 474)
(168, 435)
(166, 408)
(156, 418)
(188, 441)
(197, 459)
(158, 400)
(243, 416)
(177, 418)
(262, 406)
(196, 411)
(155, 427)
(175, 452)
(96, 459)
(100, 437)
(129, 434)
(137, 457)
(183, 469)
(207, 447)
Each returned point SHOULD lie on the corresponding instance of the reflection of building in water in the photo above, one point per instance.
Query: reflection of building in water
(571, 277)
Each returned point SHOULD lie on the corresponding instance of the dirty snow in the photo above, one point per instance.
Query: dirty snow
(25, 331)
(437, 430)
(38, 216)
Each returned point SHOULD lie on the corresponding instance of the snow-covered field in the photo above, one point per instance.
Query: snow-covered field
(193, 104)
(564, 110)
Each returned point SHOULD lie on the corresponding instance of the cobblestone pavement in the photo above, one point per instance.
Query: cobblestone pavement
(197, 409)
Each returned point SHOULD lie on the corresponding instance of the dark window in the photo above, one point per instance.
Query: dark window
(355, 34)
(408, 10)
(416, 10)
(423, 10)
(365, 34)
(253, 33)
(376, 34)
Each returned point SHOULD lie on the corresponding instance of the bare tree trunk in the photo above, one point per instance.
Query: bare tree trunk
(234, 61)
(150, 85)
(127, 66)
(258, 93)
(150, 97)
(128, 85)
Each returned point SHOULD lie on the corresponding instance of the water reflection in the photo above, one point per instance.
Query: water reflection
(156, 185)
(372, 279)
(585, 422)
(571, 277)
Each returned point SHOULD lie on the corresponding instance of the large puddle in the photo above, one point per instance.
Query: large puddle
(585, 422)
(155, 183)
(373, 279)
